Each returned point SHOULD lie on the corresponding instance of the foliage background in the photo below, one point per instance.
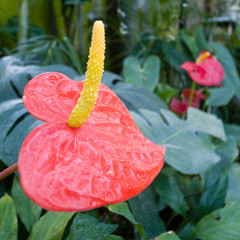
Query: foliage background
(196, 195)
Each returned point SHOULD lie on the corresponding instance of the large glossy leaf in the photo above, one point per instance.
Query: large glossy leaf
(85, 227)
(28, 211)
(168, 190)
(221, 224)
(50, 226)
(231, 80)
(144, 208)
(185, 150)
(8, 219)
(233, 196)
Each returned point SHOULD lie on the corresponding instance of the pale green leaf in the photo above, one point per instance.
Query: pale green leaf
(185, 150)
(221, 224)
(123, 209)
(8, 219)
(51, 226)
(27, 210)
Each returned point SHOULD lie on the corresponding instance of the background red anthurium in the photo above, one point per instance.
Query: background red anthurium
(205, 71)
(180, 106)
(105, 161)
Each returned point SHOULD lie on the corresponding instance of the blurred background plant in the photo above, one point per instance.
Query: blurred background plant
(147, 40)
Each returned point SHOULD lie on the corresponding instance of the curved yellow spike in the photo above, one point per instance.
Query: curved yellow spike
(94, 73)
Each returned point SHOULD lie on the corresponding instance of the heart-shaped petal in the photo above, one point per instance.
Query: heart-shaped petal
(105, 161)
(208, 72)
(74, 169)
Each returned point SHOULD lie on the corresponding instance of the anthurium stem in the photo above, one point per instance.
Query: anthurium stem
(191, 94)
(8, 171)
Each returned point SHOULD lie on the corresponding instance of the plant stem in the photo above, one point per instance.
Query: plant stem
(191, 94)
(8, 171)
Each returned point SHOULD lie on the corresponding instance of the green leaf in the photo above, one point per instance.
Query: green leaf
(146, 76)
(50, 226)
(85, 227)
(231, 81)
(28, 211)
(10, 112)
(168, 190)
(233, 131)
(190, 42)
(220, 96)
(10, 148)
(228, 152)
(185, 150)
(132, 70)
(136, 98)
(213, 197)
(173, 56)
(221, 224)
(200, 40)
(123, 209)
(144, 208)
(168, 236)
(8, 219)
(151, 72)
(166, 92)
(233, 196)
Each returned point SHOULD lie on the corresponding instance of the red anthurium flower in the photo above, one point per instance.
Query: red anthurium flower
(206, 71)
(104, 161)
(181, 106)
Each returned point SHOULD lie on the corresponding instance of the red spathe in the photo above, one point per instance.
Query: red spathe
(105, 161)
(208, 72)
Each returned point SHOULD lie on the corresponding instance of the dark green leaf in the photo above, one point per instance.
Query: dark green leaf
(11, 146)
(85, 227)
(221, 224)
(123, 209)
(8, 219)
(200, 40)
(168, 190)
(28, 211)
(190, 42)
(50, 226)
(173, 56)
(144, 208)
(185, 150)
(10, 112)
(228, 151)
(136, 98)
(233, 192)
(213, 197)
